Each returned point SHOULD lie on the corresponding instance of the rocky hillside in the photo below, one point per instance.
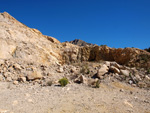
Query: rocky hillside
(21, 43)
(27, 55)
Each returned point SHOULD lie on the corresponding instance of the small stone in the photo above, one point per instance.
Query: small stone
(121, 90)
(8, 79)
(73, 70)
(30, 100)
(27, 95)
(34, 75)
(60, 70)
(15, 82)
(101, 77)
(1, 77)
(81, 79)
(107, 63)
(1, 61)
(15, 103)
(124, 72)
(131, 92)
(146, 101)
(134, 85)
(138, 77)
(23, 79)
(114, 69)
(3, 111)
(148, 78)
(17, 66)
(130, 82)
(115, 64)
(141, 84)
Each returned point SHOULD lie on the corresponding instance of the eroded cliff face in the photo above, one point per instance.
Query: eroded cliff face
(129, 56)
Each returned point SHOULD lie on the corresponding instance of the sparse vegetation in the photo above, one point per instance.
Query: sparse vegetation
(130, 74)
(148, 71)
(85, 69)
(144, 57)
(63, 82)
(82, 70)
(97, 84)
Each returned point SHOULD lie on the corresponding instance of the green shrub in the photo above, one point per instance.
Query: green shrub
(88, 71)
(144, 57)
(148, 71)
(97, 84)
(85, 69)
(63, 82)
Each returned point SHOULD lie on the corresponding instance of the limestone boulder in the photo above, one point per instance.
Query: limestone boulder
(60, 70)
(114, 69)
(34, 75)
(81, 79)
(125, 72)
(104, 69)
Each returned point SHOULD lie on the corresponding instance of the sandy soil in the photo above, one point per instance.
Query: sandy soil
(111, 97)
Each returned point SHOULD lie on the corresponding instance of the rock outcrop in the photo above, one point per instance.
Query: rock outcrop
(132, 57)
(20, 42)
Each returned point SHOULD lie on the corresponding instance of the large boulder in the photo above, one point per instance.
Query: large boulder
(124, 72)
(104, 69)
(114, 69)
(81, 79)
(34, 75)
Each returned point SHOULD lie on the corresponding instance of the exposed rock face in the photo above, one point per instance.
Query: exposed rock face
(128, 56)
(104, 69)
(18, 41)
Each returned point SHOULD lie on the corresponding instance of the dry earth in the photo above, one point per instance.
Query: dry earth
(111, 97)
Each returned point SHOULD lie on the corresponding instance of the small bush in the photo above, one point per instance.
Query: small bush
(88, 71)
(97, 84)
(85, 69)
(82, 70)
(144, 57)
(148, 71)
(63, 82)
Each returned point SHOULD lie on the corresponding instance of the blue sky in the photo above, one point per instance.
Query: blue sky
(116, 23)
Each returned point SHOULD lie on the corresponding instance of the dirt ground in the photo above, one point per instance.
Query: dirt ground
(111, 97)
